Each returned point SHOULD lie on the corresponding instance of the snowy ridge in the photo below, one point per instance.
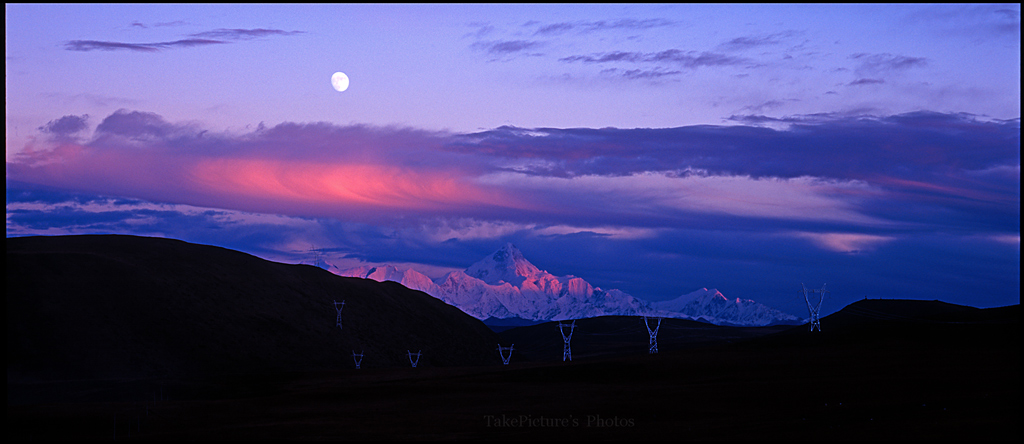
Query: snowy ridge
(712, 306)
(409, 278)
(505, 285)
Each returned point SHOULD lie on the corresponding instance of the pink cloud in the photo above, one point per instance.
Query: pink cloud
(598, 181)
(314, 170)
(337, 187)
(846, 242)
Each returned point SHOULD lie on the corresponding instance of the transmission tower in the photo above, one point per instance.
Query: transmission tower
(417, 355)
(814, 309)
(566, 352)
(358, 357)
(654, 335)
(338, 306)
(318, 257)
(501, 352)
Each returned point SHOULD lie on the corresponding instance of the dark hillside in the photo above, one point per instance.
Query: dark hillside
(622, 336)
(92, 307)
(872, 321)
(202, 343)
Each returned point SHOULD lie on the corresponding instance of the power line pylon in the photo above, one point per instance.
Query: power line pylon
(358, 357)
(417, 355)
(318, 257)
(654, 335)
(566, 337)
(814, 309)
(501, 352)
(338, 306)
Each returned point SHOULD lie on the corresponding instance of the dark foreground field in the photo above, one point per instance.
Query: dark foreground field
(943, 381)
(116, 337)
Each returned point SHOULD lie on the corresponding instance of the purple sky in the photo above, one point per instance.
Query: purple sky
(656, 149)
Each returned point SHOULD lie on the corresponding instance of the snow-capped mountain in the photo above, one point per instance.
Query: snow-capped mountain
(712, 306)
(505, 285)
(409, 278)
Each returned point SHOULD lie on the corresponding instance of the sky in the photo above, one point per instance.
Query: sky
(655, 149)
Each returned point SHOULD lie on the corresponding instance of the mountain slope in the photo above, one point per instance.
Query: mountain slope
(712, 306)
(506, 285)
(82, 307)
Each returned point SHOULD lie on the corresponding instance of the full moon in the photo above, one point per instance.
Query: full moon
(340, 81)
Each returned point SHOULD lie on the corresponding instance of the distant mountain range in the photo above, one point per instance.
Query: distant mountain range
(506, 285)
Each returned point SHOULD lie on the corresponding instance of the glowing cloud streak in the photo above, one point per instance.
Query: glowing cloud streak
(846, 242)
(362, 185)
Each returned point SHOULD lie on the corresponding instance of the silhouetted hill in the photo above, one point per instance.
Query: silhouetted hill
(869, 311)
(502, 324)
(622, 336)
(869, 322)
(865, 321)
(886, 314)
(90, 307)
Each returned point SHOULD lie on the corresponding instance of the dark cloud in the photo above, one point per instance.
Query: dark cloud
(978, 21)
(244, 34)
(749, 42)
(927, 163)
(556, 28)
(95, 45)
(763, 106)
(882, 63)
(1008, 14)
(917, 205)
(171, 23)
(507, 46)
(686, 59)
(214, 37)
(512, 47)
(601, 25)
(749, 263)
(616, 56)
(134, 124)
(809, 147)
(65, 126)
(75, 219)
(81, 213)
(861, 82)
(640, 74)
(139, 24)
(648, 74)
(482, 29)
(22, 192)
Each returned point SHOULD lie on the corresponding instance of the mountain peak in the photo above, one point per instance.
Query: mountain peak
(504, 284)
(507, 264)
(713, 306)
(507, 251)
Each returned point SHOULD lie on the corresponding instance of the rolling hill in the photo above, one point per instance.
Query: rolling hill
(93, 307)
(113, 337)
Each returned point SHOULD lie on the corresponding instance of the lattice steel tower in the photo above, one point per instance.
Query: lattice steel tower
(814, 309)
(501, 352)
(338, 306)
(654, 335)
(417, 355)
(566, 337)
(318, 257)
